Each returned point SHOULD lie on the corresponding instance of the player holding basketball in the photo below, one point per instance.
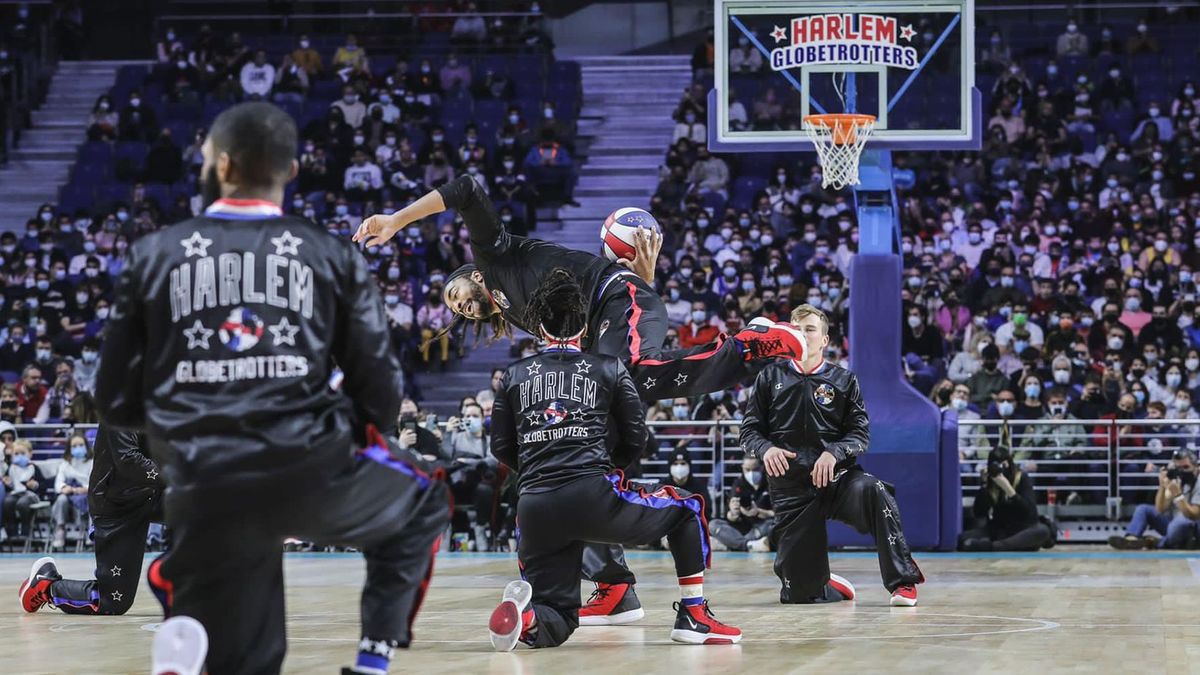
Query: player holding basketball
(550, 423)
(807, 422)
(125, 497)
(220, 345)
(625, 319)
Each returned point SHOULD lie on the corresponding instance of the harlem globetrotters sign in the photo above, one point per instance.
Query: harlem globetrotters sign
(852, 39)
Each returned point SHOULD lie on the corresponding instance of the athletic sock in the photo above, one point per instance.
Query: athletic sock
(374, 656)
(691, 589)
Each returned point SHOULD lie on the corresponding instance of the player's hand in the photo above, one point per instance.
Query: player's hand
(822, 472)
(408, 438)
(647, 244)
(776, 461)
(379, 228)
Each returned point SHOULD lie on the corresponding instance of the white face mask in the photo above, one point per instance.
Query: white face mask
(680, 472)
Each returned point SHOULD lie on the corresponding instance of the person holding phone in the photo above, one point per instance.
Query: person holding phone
(411, 435)
(1175, 512)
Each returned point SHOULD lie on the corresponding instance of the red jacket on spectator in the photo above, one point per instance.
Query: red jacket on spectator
(691, 335)
(30, 403)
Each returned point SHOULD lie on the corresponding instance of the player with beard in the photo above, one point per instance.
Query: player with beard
(626, 318)
(221, 343)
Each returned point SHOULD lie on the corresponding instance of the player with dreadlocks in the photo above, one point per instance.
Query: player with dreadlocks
(625, 318)
(550, 423)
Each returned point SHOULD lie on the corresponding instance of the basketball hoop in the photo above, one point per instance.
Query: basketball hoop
(839, 139)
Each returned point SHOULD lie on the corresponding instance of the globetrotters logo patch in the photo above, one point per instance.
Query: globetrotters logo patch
(554, 414)
(501, 299)
(853, 39)
(824, 394)
(241, 330)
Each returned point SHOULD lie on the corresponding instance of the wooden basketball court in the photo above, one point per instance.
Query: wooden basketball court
(1089, 610)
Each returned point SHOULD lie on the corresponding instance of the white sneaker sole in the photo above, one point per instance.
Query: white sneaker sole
(517, 595)
(900, 601)
(842, 585)
(618, 619)
(691, 637)
(180, 647)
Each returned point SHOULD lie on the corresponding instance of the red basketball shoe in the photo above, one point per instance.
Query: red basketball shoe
(696, 625)
(512, 617)
(766, 339)
(35, 590)
(905, 596)
(611, 605)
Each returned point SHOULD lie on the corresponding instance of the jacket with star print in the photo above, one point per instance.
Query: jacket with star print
(221, 344)
(551, 420)
(806, 413)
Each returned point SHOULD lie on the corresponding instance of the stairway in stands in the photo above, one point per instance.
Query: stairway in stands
(625, 128)
(40, 165)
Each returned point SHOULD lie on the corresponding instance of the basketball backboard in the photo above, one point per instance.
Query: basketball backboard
(910, 63)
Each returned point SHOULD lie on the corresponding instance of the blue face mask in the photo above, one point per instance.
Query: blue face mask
(78, 451)
(1032, 391)
(1139, 396)
(474, 425)
(681, 412)
(21, 460)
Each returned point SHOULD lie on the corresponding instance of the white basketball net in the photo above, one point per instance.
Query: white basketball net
(839, 147)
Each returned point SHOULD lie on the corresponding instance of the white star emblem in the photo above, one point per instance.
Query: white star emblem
(286, 243)
(779, 385)
(891, 539)
(779, 34)
(195, 245)
(284, 332)
(583, 367)
(577, 414)
(533, 417)
(198, 335)
(152, 474)
(907, 32)
(650, 381)
(116, 595)
(115, 571)
(879, 484)
(887, 513)
(534, 368)
(680, 379)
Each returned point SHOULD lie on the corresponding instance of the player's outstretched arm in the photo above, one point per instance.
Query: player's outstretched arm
(380, 228)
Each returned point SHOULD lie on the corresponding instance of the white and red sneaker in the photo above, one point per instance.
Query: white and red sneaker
(696, 625)
(766, 339)
(842, 585)
(35, 590)
(611, 605)
(512, 617)
(905, 596)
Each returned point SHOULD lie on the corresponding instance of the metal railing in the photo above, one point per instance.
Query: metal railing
(1084, 468)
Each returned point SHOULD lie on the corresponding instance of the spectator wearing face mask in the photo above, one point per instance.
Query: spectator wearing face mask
(88, 365)
(699, 329)
(968, 361)
(71, 488)
(1115, 91)
(353, 110)
(363, 179)
(749, 518)
(1061, 438)
(682, 477)
(690, 127)
(1005, 510)
(1174, 513)
(137, 122)
(32, 395)
(24, 486)
(1142, 42)
(1133, 315)
(102, 123)
(710, 173)
(473, 475)
(307, 58)
(988, 381)
(1072, 43)
(919, 337)
(679, 310)
(16, 353)
(434, 319)
(971, 439)
(291, 81)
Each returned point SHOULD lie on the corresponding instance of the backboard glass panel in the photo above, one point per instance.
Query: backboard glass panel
(909, 63)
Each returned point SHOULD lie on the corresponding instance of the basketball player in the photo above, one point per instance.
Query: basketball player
(125, 497)
(221, 341)
(807, 422)
(550, 423)
(625, 317)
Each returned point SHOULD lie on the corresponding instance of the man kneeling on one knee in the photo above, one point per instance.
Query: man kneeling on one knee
(806, 420)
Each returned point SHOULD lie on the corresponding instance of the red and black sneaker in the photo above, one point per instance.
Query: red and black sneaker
(905, 596)
(35, 590)
(696, 625)
(160, 586)
(766, 339)
(611, 605)
(837, 589)
(842, 585)
(513, 617)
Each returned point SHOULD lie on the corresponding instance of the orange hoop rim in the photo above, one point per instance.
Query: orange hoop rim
(836, 120)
